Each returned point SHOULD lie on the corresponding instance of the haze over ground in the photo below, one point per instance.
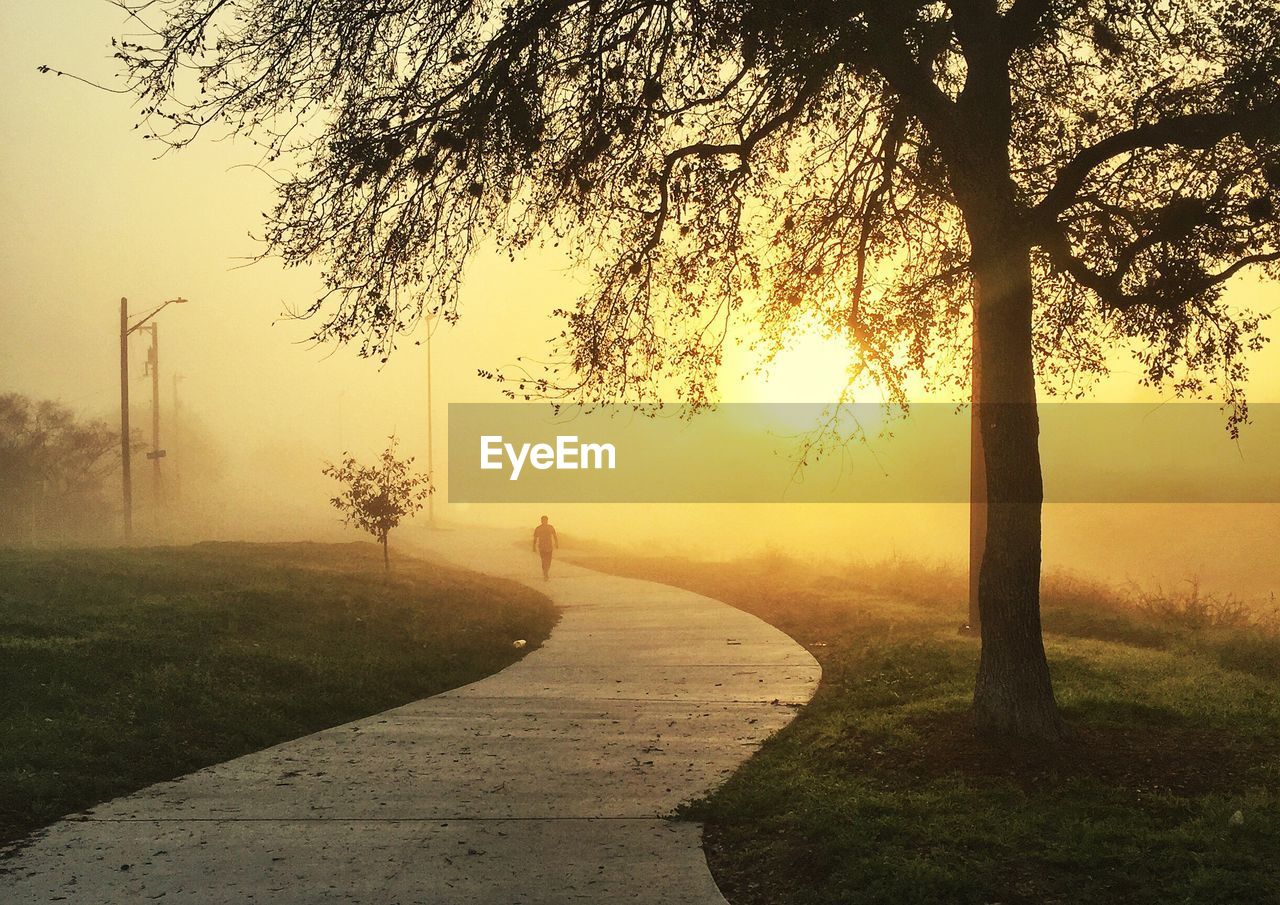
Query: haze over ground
(91, 216)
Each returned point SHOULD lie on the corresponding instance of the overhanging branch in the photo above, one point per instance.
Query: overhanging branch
(1192, 131)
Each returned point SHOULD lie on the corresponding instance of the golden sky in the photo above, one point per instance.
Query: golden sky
(90, 216)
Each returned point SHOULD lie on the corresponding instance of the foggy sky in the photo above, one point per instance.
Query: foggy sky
(90, 216)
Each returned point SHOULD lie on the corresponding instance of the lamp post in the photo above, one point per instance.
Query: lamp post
(153, 368)
(153, 362)
(126, 478)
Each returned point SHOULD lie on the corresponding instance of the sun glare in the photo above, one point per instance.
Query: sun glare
(813, 368)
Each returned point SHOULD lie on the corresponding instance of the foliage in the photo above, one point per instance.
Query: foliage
(793, 162)
(121, 668)
(53, 466)
(376, 497)
(1194, 609)
(991, 190)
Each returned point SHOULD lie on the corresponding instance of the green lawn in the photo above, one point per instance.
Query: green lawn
(120, 668)
(879, 793)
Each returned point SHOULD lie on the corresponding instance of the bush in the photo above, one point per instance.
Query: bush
(1192, 609)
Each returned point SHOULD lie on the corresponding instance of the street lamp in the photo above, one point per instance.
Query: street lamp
(153, 360)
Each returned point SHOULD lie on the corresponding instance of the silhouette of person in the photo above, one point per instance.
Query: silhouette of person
(545, 540)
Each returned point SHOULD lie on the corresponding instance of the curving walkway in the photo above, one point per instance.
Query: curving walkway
(549, 782)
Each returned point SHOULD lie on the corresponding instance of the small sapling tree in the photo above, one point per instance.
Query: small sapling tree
(376, 497)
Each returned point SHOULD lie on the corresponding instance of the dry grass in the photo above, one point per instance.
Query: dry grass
(879, 791)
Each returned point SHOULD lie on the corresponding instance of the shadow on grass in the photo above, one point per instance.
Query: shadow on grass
(879, 792)
(1151, 753)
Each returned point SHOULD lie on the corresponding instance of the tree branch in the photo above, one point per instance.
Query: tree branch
(704, 149)
(1193, 131)
(1021, 23)
(1108, 288)
(888, 53)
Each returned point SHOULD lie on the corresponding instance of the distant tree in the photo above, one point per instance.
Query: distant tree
(376, 497)
(54, 466)
(1034, 180)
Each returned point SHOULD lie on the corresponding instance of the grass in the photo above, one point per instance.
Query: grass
(120, 668)
(879, 792)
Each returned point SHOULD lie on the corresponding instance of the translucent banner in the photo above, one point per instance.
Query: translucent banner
(865, 453)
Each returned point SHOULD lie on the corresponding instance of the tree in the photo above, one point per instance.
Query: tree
(1008, 187)
(376, 497)
(53, 465)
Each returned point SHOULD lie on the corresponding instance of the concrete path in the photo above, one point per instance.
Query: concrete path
(549, 782)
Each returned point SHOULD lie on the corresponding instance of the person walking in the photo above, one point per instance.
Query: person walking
(545, 540)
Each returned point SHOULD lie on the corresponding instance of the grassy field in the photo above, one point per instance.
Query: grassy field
(879, 793)
(123, 668)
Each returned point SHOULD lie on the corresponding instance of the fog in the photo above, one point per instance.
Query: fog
(91, 217)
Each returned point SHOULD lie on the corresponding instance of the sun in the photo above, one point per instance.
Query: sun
(813, 368)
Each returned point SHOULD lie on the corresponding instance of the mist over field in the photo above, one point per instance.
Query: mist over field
(260, 410)
(761, 453)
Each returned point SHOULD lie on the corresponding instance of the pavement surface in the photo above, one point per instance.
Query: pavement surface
(549, 782)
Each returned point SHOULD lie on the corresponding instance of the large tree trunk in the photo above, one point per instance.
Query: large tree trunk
(1013, 696)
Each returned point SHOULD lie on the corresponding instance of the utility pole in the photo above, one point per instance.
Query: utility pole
(156, 454)
(126, 476)
(153, 365)
(431, 445)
